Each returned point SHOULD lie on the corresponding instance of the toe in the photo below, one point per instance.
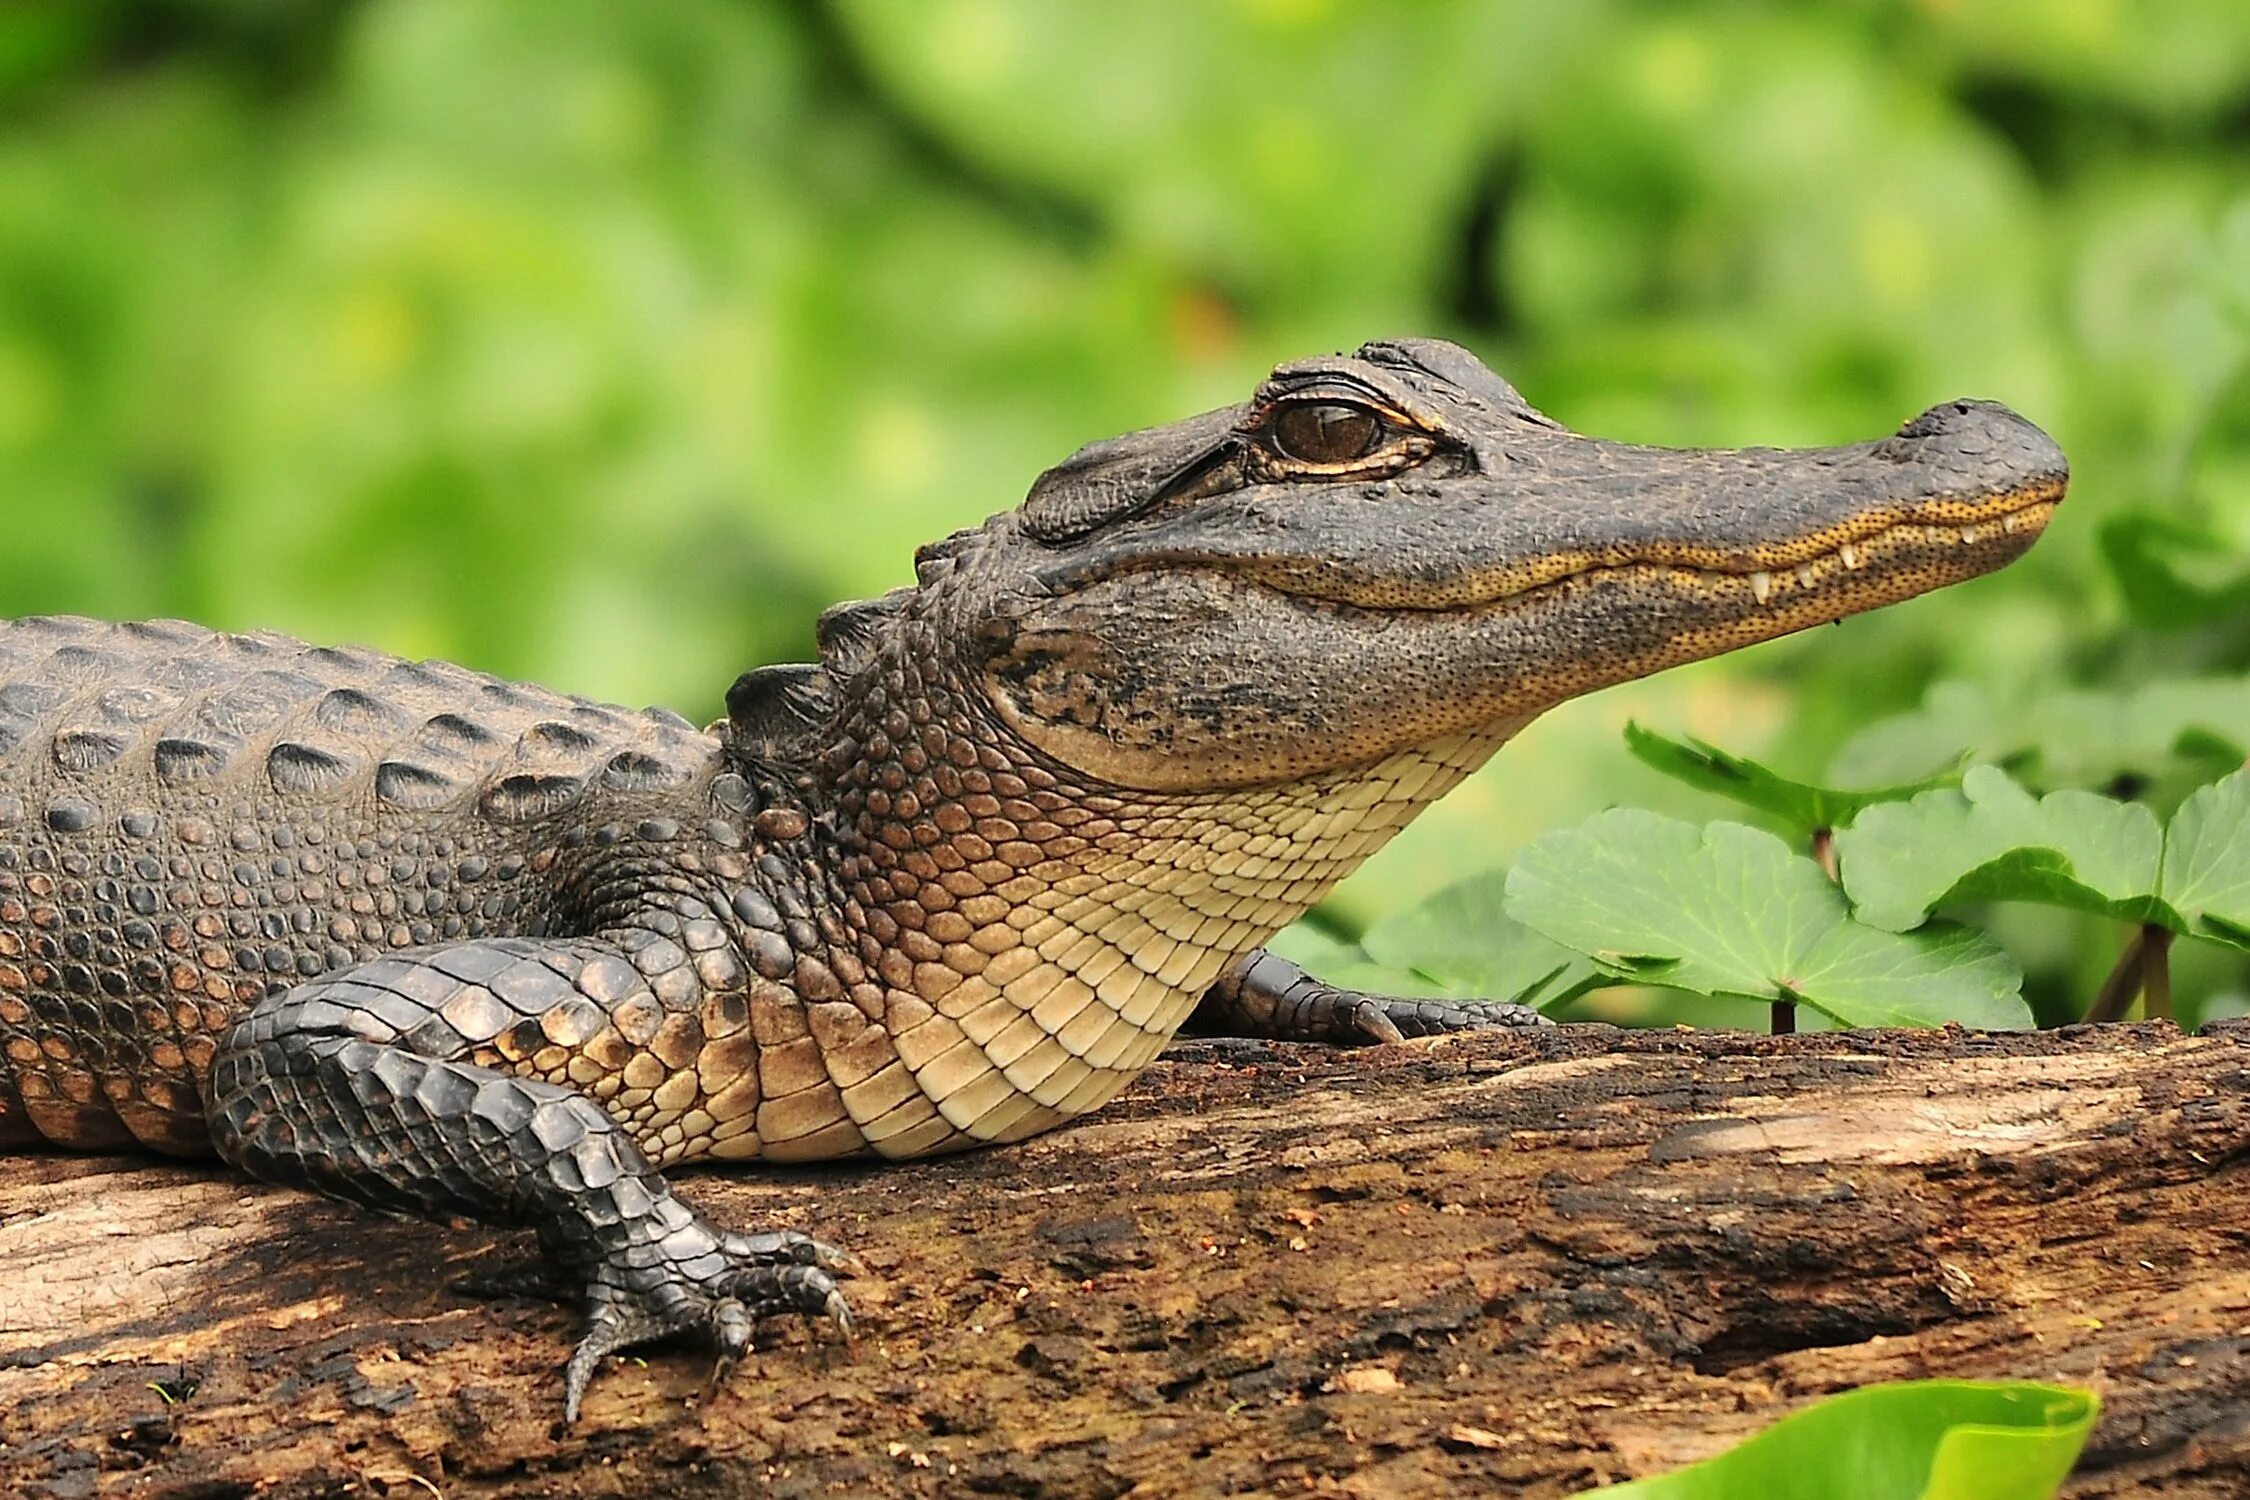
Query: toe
(731, 1330)
(721, 1289)
(601, 1338)
(787, 1247)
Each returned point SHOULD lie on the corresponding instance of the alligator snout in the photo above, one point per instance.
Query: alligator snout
(1981, 445)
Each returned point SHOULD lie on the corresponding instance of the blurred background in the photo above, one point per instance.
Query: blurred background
(604, 343)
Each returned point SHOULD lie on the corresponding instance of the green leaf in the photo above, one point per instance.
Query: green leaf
(1798, 803)
(2159, 562)
(2189, 730)
(1913, 1440)
(1463, 940)
(1458, 945)
(1992, 840)
(1729, 910)
(1866, 977)
(1346, 965)
(2200, 717)
(1955, 719)
(2207, 860)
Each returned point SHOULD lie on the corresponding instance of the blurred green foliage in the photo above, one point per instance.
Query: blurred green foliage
(604, 343)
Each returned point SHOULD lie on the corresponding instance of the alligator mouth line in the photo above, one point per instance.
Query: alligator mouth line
(2020, 514)
(1899, 540)
(1907, 543)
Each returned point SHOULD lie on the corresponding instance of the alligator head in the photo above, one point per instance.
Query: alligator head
(1381, 550)
(1116, 738)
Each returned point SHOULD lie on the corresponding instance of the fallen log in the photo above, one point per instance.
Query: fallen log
(1496, 1264)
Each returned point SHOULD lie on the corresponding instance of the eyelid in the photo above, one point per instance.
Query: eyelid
(1330, 393)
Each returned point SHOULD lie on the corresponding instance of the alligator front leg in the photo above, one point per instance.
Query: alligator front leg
(1270, 997)
(367, 1084)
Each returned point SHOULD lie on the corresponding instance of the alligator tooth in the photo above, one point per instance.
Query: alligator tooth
(1972, 534)
(2008, 521)
(1807, 574)
(1933, 534)
(1761, 585)
(1850, 555)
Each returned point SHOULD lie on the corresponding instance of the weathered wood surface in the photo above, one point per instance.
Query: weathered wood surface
(1501, 1264)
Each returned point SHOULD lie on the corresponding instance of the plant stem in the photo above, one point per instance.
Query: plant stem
(1824, 855)
(2115, 997)
(2156, 973)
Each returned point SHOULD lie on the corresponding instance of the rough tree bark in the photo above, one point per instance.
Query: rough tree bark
(1500, 1264)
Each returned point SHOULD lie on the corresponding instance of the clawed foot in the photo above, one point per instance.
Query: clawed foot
(1394, 1018)
(1268, 996)
(710, 1281)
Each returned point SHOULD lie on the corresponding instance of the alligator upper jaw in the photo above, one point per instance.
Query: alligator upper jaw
(1958, 491)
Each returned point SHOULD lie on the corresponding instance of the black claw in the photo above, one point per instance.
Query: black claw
(1373, 1021)
(732, 1328)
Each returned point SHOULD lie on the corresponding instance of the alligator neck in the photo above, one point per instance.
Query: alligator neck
(1040, 939)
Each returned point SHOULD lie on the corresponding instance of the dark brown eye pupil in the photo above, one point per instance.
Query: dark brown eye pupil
(1325, 432)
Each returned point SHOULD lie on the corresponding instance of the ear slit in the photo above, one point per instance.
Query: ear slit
(1055, 515)
(1188, 483)
(1120, 477)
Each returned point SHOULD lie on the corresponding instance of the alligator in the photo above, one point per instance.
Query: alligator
(449, 945)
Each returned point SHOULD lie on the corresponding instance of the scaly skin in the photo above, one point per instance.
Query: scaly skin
(435, 942)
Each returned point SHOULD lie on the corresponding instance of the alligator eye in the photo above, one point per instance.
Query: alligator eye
(1325, 432)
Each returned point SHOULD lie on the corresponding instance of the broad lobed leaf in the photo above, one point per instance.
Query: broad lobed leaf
(2207, 861)
(1991, 840)
(1463, 940)
(1728, 910)
(1459, 944)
